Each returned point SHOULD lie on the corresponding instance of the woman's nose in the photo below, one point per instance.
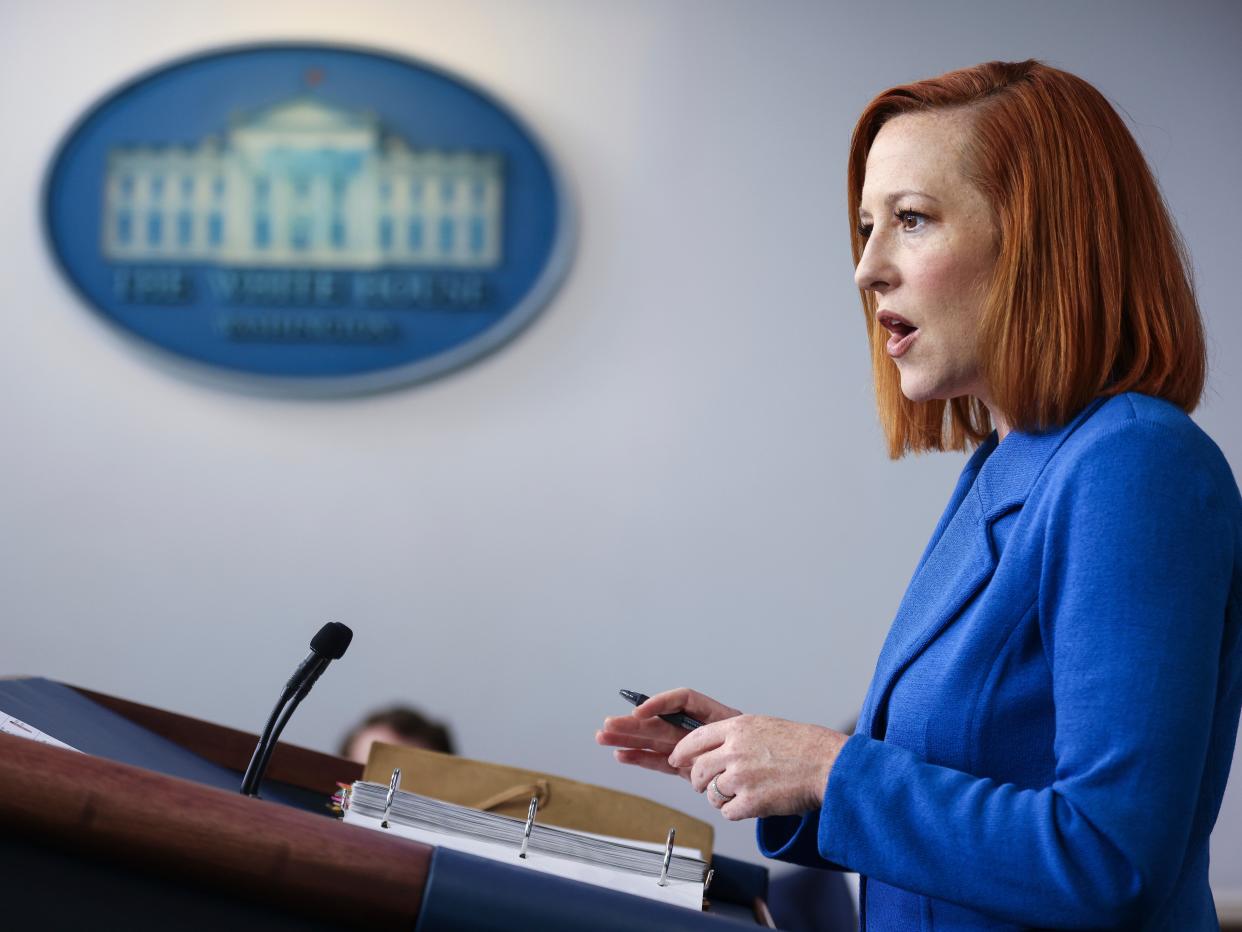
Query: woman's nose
(874, 271)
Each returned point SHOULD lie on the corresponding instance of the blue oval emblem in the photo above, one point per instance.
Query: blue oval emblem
(308, 218)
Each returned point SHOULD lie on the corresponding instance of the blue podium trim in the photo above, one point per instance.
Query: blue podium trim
(466, 893)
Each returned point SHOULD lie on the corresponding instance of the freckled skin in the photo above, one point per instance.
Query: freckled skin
(932, 269)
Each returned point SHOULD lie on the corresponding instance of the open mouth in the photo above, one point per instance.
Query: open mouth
(903, 332)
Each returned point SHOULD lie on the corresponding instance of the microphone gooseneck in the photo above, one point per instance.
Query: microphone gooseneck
(330, 643)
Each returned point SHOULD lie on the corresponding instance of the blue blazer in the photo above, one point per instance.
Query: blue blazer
(1047, 737)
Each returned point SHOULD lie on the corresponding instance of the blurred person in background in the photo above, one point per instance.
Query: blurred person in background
(398, 724)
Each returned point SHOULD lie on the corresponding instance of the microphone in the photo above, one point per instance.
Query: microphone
(327, 645)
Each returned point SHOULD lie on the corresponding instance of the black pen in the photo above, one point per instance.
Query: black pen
(679, 719)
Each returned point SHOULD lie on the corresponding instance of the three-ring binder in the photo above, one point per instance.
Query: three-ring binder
(438, 822)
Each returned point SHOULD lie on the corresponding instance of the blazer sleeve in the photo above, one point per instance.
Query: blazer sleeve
(792, 838)
(1136, 570)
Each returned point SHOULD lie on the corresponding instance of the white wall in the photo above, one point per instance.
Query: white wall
(674, 476)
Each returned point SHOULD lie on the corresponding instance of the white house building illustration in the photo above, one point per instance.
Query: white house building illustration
(304, 184)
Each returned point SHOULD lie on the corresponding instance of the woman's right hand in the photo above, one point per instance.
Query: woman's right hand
(643, 739)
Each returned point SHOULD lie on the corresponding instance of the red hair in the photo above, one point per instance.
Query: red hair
(1091, 293)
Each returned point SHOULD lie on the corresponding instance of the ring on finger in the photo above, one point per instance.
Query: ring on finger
(715, 788)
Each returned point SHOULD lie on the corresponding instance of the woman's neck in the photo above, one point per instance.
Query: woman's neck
(999, 420)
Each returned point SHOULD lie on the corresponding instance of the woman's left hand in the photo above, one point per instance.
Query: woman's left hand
(762, 766)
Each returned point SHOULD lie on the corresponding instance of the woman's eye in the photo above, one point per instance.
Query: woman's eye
(863, 230)
(910, 220)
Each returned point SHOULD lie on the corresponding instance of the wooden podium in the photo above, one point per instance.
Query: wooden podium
(88, 841)
(69, 820)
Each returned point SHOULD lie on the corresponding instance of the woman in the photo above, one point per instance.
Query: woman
(1049, 729)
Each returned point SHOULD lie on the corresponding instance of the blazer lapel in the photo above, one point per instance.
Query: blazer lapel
(964, 483)
(960, 559)
(956, 566)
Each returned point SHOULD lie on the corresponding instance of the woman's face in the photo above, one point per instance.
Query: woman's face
(930, 251)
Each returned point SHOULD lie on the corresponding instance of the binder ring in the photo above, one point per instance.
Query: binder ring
(668, 856)
(530, 823)
(393, 783)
